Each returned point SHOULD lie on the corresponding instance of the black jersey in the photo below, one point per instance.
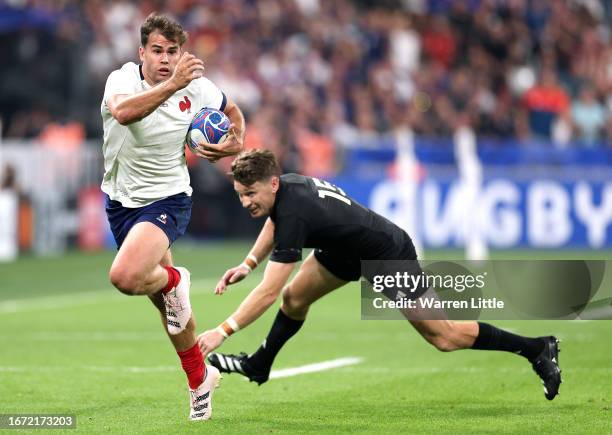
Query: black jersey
(311, 213)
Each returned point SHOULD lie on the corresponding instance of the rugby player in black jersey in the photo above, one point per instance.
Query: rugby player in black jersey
(306, 212)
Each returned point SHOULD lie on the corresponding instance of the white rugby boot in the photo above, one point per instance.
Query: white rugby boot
(178, 306)
(201, 397)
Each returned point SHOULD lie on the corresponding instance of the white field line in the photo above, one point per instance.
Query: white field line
(405, 371)
(111, 369)
(316, 367)
(283, 373)
(140, 336)
(89, 336)
(85, 298)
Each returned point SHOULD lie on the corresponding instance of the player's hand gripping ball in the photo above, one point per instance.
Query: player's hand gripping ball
(207, 125)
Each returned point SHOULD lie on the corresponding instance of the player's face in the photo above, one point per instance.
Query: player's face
(258, 198)
(159, 58)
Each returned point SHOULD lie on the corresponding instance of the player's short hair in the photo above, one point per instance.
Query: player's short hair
(169, 27)
(255, 165)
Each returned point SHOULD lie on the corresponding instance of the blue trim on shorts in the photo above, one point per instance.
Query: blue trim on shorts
(170, 214)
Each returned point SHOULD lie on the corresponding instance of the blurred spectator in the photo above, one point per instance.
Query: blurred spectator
(63, 137)
(9, 214)
(9, 185)
(405, 46)
(439, 43)
(9, 179)
(588, 116)
(545, 102)
(346, 69)
(29, 124)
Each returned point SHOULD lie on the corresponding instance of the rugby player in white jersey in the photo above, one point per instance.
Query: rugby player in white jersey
(146, 111)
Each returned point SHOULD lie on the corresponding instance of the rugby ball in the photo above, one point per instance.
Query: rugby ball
(209, 125)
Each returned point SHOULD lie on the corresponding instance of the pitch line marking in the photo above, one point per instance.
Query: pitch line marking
(275, 374)
(316, 367)
(85, 298)
(416, 371)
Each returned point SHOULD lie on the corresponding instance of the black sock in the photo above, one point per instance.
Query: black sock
(492, 338)
(282, 330)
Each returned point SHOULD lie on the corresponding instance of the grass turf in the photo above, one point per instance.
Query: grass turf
(72, 344)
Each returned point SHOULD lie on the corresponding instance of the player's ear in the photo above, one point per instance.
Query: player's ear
(275, 183)
(141, 51)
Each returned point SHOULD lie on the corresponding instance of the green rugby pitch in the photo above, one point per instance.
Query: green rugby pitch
(72, 344)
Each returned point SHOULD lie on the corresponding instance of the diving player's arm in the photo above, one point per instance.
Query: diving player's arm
(259, 252)
(127, 109)
(253, 306)
(261, 297)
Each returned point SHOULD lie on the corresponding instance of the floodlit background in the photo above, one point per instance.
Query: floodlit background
(478, 123)
(482, 127)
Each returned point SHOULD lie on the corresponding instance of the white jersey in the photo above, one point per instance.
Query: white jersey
(145, 161)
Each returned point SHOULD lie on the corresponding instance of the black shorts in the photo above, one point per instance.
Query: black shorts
(349, 268)
(339, 265)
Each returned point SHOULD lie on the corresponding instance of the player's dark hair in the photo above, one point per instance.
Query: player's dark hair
(255, 165)
(167, 26)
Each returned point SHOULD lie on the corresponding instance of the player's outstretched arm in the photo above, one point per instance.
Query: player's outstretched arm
(234, 143)
(260, 250)
(127, 109)
(253, 306)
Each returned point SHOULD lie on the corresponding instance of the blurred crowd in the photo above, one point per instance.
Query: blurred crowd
(312, 75)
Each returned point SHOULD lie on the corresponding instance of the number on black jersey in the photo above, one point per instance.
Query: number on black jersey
(328, 189)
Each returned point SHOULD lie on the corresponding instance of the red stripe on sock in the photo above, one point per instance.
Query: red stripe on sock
(193, 364)
(174, 277)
